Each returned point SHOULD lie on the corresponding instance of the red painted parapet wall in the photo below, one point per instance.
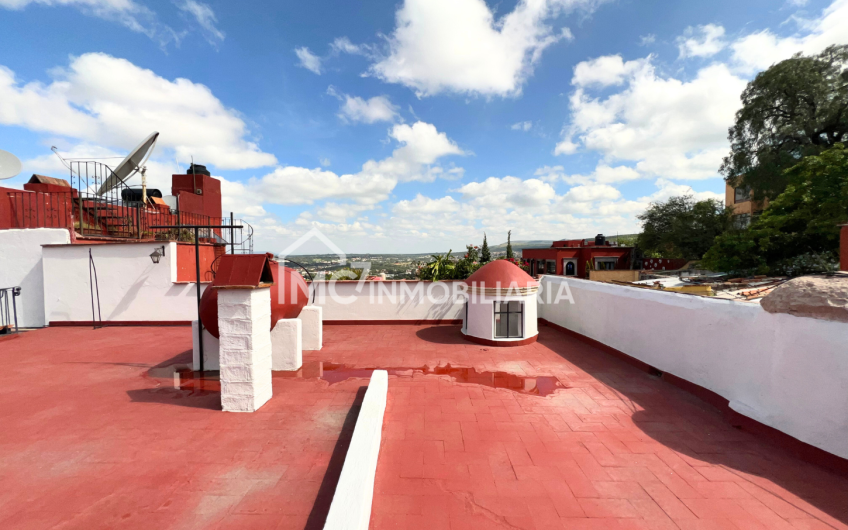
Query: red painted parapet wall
(186, 271)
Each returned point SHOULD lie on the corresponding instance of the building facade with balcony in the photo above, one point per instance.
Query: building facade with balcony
(576, 257)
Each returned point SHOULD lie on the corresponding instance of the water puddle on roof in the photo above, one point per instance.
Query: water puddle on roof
(179, 381)
(335, 373)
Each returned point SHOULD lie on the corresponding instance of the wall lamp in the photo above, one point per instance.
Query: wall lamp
(158, 254)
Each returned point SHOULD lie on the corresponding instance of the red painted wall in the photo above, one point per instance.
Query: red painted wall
(581, 255)
(185, 261)
(207, 203)
(843, 249)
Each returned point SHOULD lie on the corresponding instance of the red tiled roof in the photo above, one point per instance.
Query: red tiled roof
(97, 433)
(501, 272)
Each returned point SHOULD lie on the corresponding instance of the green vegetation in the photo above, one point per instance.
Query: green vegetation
(485, 253)
(797, 233)
(682, 227)
(796, 108)
(509, 254)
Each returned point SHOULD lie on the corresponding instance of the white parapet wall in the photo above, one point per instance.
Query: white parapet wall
(787, 372)
(313, 327)
(287, 345)
(388, 300)
(21, 264)
(244, 322)
(351, 506)
(132, 288)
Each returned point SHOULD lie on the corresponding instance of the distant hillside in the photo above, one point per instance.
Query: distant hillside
(518, 245)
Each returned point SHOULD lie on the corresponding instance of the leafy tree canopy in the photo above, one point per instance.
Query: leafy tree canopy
(798, 232)
(509, 253)
(682, 227)
(796, 108)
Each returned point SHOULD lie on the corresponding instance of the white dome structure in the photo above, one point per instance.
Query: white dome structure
(501, 306)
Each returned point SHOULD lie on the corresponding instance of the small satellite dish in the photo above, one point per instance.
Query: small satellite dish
(9, 165)
(130, 165)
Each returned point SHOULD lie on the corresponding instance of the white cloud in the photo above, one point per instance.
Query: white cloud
(422, 146)
(605, 71)
(340, 213)
(670, 128)
(459, 46)
(308, 60)
(522, 126)
(703, 41)
(128, 13)
(647, 40)
(205, 17)
(508, 192)
(111, 102)
(760, 50)
(325, 162)
(550, 174)
(356, 109)
(593, 192)
(668, 189)
(422, 204)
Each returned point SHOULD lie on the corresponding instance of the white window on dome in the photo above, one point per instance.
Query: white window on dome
(509, 320)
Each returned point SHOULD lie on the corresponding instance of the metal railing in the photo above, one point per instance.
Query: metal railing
(238, 239)
(105, 214)
(9, 313)
(41, 210)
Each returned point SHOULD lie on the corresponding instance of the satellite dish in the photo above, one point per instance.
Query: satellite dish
(130, 165)
(9, 165)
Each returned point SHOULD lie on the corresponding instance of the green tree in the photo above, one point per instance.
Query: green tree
(471, 253)
(509, 253)
(798, 232)
(796, 108)
(682, 227)
(485, 253)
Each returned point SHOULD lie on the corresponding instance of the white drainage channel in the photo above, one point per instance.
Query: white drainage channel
(351, 507)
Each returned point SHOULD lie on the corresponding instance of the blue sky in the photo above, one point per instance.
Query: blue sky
(402, 126)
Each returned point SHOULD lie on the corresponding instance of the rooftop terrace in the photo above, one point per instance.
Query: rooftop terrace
(102, 429)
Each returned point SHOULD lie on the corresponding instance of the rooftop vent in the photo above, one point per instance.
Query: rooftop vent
(197, 169)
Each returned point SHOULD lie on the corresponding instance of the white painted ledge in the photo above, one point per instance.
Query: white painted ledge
(351, 507)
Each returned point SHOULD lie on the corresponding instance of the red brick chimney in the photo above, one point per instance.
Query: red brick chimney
(197, 191)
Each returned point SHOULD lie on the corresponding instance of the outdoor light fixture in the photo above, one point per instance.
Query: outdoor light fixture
(157, 254)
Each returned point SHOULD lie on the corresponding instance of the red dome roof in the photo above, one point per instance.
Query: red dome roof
(503, 272)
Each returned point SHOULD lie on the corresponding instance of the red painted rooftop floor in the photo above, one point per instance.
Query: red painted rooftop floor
(94, 435)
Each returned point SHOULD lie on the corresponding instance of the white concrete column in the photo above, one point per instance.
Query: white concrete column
(313, 323)
(210, 350)
(244, 322)
(287, 345)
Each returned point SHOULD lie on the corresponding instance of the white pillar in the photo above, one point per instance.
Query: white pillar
(210, 350)
(287, 345)
(244, 322)
(313, 336)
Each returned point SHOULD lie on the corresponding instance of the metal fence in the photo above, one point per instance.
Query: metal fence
(41, 210)
(9, 309)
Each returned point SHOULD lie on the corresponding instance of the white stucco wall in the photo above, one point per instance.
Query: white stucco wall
(132, 287)
(481, 316)
(784, 371)
(380, 300)
(21, 265)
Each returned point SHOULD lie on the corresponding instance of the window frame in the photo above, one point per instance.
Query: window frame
(519, 313)
(744, 192)
(605, 259)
